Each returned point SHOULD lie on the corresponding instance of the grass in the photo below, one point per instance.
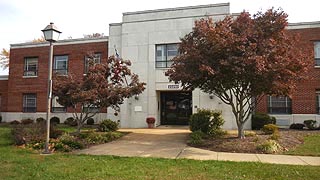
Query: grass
(310, 147)
(23, 164)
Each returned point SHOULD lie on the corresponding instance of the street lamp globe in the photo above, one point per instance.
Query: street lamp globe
(51, 33)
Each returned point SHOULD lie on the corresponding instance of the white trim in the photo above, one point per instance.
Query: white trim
(304, 25)
(29, 76)
(62, 42)
(4, 77)
(176, 9)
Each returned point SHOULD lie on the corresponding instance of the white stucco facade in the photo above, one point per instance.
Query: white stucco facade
(136, 37)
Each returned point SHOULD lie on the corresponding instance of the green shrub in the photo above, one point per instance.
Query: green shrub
(40, 120)
(57, 145)
(250, 133)
(70, 121)
(269, 146)
(275, 136)
(270, 129)
(207, 121)
(297, 126)
(310, 124)
(101, 137)
(90, 121)
(54, 120)
(196, 138)
(71, 141)
(261, 119)
(108, 126)
(26, 121)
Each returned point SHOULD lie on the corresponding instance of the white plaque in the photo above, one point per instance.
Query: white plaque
(138, 108)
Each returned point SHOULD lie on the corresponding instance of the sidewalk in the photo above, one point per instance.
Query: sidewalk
(200, 154)
(170, 142)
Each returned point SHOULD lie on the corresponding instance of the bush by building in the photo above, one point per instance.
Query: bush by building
(108, 126)
(55, 120)
(261, 119)
(207, 121)
(270, 129)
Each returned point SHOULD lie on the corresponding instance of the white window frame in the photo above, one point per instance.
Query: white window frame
(165, 60)
(272, 109)
(91, 108)
(317, 53)
(96, 60)
(30, 102)
(28, 62)
(58, 59)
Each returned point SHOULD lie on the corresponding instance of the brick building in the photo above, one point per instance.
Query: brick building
(24, 93)
(150, 40)
(304, 102)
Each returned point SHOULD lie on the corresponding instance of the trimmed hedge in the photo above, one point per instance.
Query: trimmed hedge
(207, 121)
(261, 119)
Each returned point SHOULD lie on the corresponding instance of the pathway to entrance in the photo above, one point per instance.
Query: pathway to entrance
(170, 142)
(163, 141)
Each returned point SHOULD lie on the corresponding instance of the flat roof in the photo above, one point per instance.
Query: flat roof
(304, 25)
(177, 8)
(4, 77)
(61, 42)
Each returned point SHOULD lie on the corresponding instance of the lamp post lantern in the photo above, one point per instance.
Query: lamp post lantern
(51, 34)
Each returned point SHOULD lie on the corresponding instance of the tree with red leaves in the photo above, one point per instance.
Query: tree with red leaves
(240, 59)
(105, 85)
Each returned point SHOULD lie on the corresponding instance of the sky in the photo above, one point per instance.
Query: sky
(23, 20)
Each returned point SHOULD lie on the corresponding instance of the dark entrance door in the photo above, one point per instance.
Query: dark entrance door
(176, 108)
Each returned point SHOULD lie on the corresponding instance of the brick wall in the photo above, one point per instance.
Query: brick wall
(304, 96)
(3, 95)
(18, 85)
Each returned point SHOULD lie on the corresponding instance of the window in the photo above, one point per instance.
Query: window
(96, 59)
(90, 108)
(318, 102)
(30, 66)
(164, 54)
(56, 107)
(279, 105)
(61, 64)
(29, 102)
(317, 53)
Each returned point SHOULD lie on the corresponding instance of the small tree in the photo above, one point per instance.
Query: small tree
(105, 85)
(240, 59)
(4, 58)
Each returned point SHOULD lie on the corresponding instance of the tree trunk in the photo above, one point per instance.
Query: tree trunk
(240, 131)
(78, 127)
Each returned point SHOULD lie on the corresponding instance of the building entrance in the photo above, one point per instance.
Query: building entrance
(176, 108)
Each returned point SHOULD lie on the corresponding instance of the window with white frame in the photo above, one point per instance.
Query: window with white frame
(164, 54)
(95, 59)
(317, 53)
(279, 105)
(90, 108)
(61, 64)
(318, 102)
(30, 66)
(29, 102)
(56, 107)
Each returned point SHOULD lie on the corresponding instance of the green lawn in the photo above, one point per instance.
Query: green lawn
(311, 147)
(23, 164)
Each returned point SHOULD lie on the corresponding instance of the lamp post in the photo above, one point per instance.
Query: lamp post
(51, 34)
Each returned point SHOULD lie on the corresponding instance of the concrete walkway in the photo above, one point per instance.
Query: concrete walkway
(170, 142)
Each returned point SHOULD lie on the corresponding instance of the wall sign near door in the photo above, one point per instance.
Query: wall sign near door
(173, 86)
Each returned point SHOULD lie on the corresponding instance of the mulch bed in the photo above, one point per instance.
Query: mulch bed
(288, 140)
